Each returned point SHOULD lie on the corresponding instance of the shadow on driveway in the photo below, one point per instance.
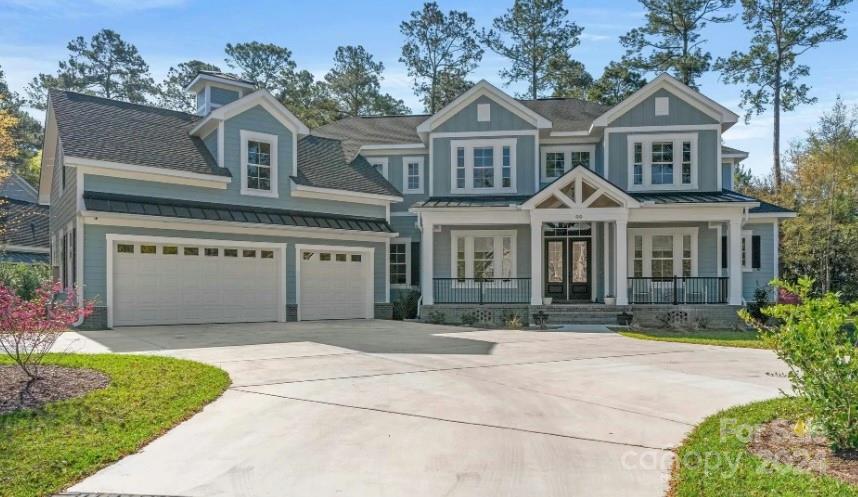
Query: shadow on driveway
(371, 336)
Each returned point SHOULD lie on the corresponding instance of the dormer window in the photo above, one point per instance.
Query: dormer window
(483, 166)
(662, 162)
(258, 164)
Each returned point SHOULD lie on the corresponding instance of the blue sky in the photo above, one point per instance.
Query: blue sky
(35, 33)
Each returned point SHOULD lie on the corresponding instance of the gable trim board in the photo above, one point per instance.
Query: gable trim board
(604, 187)
(216, 81)
(483, 87)
(305, 191)
(146, 173)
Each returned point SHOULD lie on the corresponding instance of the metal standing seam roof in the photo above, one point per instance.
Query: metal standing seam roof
(153, 206)
(475, 201)
(715, 197)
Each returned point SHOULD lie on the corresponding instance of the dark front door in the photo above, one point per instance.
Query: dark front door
(567, 269)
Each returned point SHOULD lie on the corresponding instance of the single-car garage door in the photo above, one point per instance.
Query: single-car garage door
(186, 283)
(335, 284)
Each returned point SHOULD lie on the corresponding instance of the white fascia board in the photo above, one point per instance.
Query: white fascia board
(473, 216)
(147, 173)
(46, 172)
(158, 222)
(259, 97)
(761, 217)
(394, 146)
(665, 81)
(743, 155)
(305, 191)
(585, 173)
(483, 87)
(571, 133)
(214, 79)
(686, 212)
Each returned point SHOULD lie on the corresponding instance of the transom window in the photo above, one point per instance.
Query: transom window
(557, 159)
(483, 165)
(663, 252)
(662, 161)
(483, 254)
(258, 164)
(412, 175)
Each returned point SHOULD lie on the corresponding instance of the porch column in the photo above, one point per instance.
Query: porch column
(426, 269)
(536, 261)
(734, 238)
(622, 260)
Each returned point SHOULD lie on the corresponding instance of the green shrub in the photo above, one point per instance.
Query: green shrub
(470, 319)
(761, 301)
(436, 317)
(513, 321)
(23, 278)
(813, 338)
(405, 306)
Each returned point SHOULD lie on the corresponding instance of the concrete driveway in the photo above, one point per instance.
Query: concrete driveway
(383, 408)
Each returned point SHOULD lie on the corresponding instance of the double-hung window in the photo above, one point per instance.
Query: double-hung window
(663, 252)
(483, 165)
(399, 257)
(483, 254)
(412, 174)
(662, 161)
(258, 164)
(557, 159)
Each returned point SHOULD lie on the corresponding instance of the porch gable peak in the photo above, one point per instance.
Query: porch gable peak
(580, 188)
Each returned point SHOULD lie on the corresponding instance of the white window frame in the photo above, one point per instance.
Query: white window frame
(747, 254)
(469, 146)
(420, 177)
(383, 161)
(646, 235)
(567, 157)
(407, 243)
(469, 237)
(646, 142)
(247, 136)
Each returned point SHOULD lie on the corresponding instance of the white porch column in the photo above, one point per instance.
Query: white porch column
(734, 239)
(426, 269)
(536, 260)
(622, 261)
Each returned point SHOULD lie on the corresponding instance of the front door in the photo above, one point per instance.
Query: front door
(567, 269)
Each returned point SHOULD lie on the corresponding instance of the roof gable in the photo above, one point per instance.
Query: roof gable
(262, 98)
(580, 188)
(483, 88)
(16, 187)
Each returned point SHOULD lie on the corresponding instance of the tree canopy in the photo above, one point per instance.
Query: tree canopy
(617, 82)
(355, 84)
(171, 91)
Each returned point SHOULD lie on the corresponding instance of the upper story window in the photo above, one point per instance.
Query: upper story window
(556, 160)
(482, 165)
(662, 162)
(258, 164)
(412, 174)
(379, 164)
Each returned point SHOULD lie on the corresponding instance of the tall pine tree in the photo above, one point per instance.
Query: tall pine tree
(355, 84)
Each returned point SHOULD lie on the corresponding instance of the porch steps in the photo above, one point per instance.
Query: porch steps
(579, 313)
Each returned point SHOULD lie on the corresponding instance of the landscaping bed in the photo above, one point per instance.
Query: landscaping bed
(719, 458)
(45, 449)
(55, 383)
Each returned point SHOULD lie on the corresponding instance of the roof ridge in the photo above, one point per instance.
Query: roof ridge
(122, 102)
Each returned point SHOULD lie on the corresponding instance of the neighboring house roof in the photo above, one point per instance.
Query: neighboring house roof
(153, 206)
(323, 164)
(730, 152)
(24, 224)
(724, 196)
(356, 132)
(24, 257)
(475, 201)
(16, 187)
(567, 114)
(102, 129)
(769, 208)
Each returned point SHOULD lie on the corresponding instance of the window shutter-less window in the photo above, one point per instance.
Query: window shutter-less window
(724, 252)
(755, 252)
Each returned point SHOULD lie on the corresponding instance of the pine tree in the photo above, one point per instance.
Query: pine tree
(171, 91)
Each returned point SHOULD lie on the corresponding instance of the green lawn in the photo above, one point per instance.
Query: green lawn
(731, 471)
(42, 452)
(725, 338)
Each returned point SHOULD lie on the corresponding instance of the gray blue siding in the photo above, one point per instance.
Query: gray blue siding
(680, 113)
(221, 96)
(760, 278)
(395, 174)
(501, 119)
(524, 153)
(442, 252)
(727, 176)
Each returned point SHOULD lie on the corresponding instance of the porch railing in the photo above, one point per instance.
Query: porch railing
(678, 290)
(481, 290)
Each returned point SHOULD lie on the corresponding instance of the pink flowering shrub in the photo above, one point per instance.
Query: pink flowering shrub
(28, 328)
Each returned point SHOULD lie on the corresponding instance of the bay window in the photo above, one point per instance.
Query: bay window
(663, 252)
(483, 165)
(557, 159)
(662, 161)
(483, 254)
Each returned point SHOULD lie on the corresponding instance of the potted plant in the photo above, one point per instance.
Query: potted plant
(624, 319)
(547, 300)
(610, 299)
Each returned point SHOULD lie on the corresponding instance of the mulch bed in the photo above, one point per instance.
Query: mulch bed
(55, 383)
(778, 441)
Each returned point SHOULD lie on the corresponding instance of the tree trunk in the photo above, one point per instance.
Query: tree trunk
(776, 132)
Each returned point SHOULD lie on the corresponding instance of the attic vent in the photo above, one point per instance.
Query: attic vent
(484, 112)
(662, 106)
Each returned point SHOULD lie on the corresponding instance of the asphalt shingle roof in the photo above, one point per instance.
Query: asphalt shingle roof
(153, 206)
(99, 128)
(732, 151)
(24, 223)
(567, 114)
(322, 163)
(24, 257)
(355, 132)
(14, 186)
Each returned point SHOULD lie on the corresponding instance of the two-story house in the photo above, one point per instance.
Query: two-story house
(239, 212)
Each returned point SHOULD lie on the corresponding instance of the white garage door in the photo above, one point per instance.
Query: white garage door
(164, 283)
(335, 285)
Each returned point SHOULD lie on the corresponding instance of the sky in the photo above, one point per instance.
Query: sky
(166, 32)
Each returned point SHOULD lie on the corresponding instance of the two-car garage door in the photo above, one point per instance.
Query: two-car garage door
(193, 282)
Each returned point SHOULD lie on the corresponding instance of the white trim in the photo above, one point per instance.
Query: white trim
(497, 261)
(113, 238)
(482, 87)
(664, 128)
(497, 144)
(606, 254)
(421, 176)
(262, 98)
(760, 217)
(570, 133)
(432, 165)
(121, 170)
(392, 146)
(220, 145)
(369, 252)
(577, 175)
(484, 134)
(400, 241)
(748, 251)
(157, 222)
(646, 142)
(776, 253)
(274, 165)
(719, 247)
(677, 233)
(214, 79)
(567, 158)
(305, 191)
(382, 161)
